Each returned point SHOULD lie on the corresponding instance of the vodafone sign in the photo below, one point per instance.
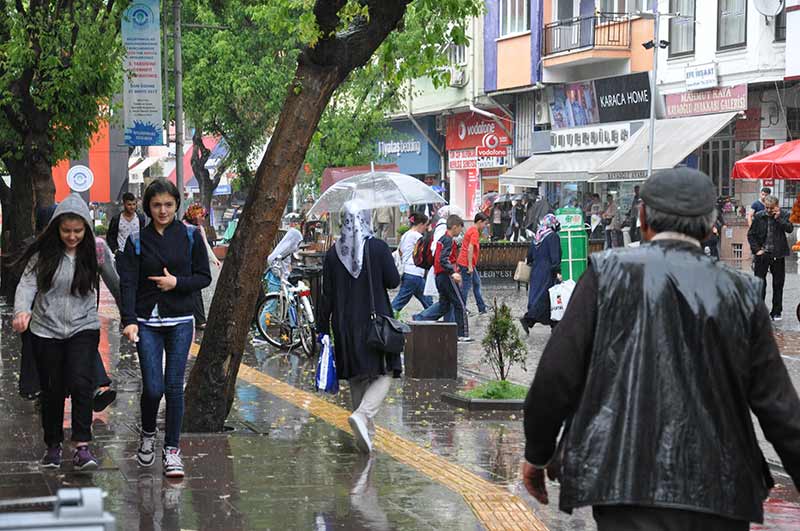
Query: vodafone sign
(470, 130)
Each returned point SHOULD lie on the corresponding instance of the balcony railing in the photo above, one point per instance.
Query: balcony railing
(607, 30)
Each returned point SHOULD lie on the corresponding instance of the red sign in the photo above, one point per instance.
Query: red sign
(463, 159)
(768, 182)
(723, 99)
(768, 143)
(491, 152)
(470, 130)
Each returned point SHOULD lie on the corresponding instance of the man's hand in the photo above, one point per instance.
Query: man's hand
(456, 277)
(559, 277)
(759, 253)
(533, 479)
(132, 333)
(166, 282)
(469, 269)
(21, 321)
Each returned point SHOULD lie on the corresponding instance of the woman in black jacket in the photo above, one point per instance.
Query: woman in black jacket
(345, 308)
(160, 270)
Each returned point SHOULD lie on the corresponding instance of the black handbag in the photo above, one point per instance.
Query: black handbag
(384, 333)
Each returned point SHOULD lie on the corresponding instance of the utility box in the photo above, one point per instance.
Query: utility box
(431, 350)
(574, 243)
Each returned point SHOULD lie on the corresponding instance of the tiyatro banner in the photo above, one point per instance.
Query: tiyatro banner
(142, 94)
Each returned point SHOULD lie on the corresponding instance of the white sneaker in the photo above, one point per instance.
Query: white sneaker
(360, 431)
(173, 465)
(465, 339)
(146, 454)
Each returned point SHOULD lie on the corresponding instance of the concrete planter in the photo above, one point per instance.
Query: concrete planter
(482, 404)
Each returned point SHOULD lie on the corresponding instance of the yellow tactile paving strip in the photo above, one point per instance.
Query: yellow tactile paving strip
(494, 506)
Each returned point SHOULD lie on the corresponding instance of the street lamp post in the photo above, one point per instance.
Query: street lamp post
(652, 131)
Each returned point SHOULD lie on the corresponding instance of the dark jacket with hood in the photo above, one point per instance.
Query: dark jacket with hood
(661, 356)
(113, 230)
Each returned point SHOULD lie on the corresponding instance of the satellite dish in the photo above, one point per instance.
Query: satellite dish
(769, 8)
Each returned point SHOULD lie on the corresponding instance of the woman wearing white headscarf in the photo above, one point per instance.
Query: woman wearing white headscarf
(344, 309)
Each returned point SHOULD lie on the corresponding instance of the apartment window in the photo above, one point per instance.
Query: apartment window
(514, 17)
(681, 29)
(780, 26)
(457, 54)
(635, 6)
(731, 24)
(612, 6)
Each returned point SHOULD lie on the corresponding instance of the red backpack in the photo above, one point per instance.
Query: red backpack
(423, 255)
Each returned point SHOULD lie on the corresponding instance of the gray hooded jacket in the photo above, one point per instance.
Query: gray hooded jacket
(57, 313)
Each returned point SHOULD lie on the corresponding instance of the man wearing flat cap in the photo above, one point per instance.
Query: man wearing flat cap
(662, 354)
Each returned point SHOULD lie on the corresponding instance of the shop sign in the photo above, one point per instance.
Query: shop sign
(470, 130)
(492, 157)
(594, 137)
(768, 182)
(605, 100)
(768, 143)
(699, 77)
(399, 147)
(462, 159)
(723, 99)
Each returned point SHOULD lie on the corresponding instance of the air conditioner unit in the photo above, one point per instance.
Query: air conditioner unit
(541, 109)
(458, 77)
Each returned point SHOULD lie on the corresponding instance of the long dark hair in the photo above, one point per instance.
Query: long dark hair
(51, 250)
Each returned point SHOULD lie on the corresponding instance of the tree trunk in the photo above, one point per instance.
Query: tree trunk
(320, 70)
(210, 390)
(18, 220)
(207, 185)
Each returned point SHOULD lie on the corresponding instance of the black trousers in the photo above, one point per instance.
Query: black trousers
(65, 365)
(29, 385)
(776, 266)
(198, 309)
(633, 518)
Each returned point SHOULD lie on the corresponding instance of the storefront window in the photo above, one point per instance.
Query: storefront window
(780, 26)
(731, 24)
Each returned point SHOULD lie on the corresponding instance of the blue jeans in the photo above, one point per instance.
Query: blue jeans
(471, 281)
(157, 382)
(411, 286)
(429, 313)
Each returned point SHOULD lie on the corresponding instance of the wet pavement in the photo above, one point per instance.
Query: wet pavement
(290, 462)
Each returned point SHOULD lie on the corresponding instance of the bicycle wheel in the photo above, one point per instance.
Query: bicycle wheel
(307, 332)
(274, 322)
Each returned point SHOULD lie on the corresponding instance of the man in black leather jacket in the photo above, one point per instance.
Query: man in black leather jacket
(661, 356)
(767, 239)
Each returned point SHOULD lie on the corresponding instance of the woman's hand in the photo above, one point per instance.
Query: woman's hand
(559, 277)
(132, 333)
(21, 321)
(217, 264)
(166, 282)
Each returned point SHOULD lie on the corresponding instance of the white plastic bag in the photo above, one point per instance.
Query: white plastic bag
(398, 261)
(559, 299)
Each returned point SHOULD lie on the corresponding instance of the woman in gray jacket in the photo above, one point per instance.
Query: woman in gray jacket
(57, 298)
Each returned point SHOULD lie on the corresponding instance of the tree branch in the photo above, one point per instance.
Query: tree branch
(327, 15)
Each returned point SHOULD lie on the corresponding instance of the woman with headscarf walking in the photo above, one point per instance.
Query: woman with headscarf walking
(544, 257)
(344, 309)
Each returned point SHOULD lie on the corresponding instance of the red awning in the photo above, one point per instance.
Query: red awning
(331, 176)
(778, 162)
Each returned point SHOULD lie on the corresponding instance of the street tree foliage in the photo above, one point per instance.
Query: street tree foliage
(60, 65)
(239, 67)
(339, 37)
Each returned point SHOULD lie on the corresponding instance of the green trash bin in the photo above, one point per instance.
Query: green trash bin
(574, 243)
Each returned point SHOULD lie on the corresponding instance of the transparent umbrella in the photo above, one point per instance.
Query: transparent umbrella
(376, 189)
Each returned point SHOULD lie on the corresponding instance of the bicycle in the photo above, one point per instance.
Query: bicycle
(285, 319)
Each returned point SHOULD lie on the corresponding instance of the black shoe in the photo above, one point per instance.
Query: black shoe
(525, 326)
(776, 316)
(103, 399)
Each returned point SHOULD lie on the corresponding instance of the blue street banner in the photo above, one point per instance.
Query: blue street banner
(141, 36)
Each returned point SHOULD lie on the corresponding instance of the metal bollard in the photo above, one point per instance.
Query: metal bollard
(72, 509)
